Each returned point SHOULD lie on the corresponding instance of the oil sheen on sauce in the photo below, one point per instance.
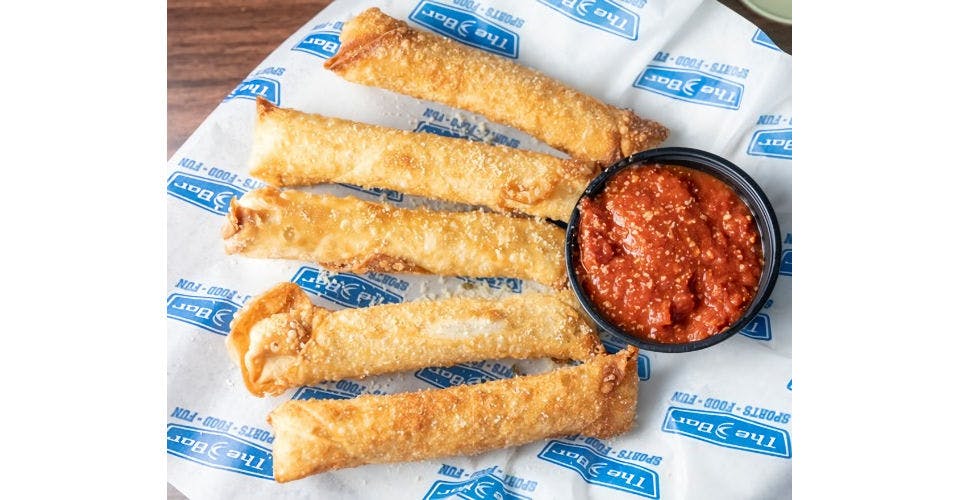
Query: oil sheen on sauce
(669, 254)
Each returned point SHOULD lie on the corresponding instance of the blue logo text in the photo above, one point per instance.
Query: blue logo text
(773, 143)
(345, 289)
(691, 86)
(729, 431)
(601, 14)
(478, 488)
(444, 377)
(601, 470)
(465, 27)
(211, 314)
(219, 450)
(759, 328)
(252, 88)
(207, 194)
(323, 44)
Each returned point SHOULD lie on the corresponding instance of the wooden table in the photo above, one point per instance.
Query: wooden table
(213, 44)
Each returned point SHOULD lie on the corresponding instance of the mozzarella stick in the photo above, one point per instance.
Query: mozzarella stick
(281, 340)
(597, 398)
(347, 234)
(291, 148)
(381, 51)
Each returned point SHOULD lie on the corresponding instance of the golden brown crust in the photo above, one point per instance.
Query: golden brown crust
(292, 148)
(280, 340)
(597, 398)
(350, 234)
(380, 51)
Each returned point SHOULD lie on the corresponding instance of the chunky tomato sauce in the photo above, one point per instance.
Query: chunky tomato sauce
(669, 254)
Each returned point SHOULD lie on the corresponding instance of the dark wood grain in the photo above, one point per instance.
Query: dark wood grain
(212, 45)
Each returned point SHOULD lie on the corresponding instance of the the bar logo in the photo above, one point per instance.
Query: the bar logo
(444, 377)
(219, 450)
(759, 328)
(773, 143)
(729, 431)
(466, 27)
(207, 194)
(252, 88)
(691, 86)
(479, 488)
(210, 313)
(604, 15)
(323, 44)
(346, 289)
(602, 470)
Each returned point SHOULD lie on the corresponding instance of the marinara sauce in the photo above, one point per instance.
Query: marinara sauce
(669, 254)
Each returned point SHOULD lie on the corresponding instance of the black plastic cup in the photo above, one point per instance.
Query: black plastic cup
(730, 174)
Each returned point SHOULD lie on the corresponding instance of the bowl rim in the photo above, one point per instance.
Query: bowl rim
(711, 164)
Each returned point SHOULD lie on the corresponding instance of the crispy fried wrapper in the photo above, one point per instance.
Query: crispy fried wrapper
(292, 148)
(597, 398)
(380, 51)
(347, 234)
(281, 340)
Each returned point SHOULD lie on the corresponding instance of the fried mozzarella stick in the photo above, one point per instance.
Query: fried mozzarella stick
(353, 235)
(281, 340)
(381, 51)
(597, 398)
(291, 148)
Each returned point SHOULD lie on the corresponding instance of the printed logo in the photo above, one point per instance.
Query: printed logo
(786, 264)
(729, 431)
(207, 194)
(433, 128)
(467, 131)
(761, 38)
(219, 450)
(378, 192)
(310, 392)
(790, 385)
(513, 284)
(323, 44)
(444, 377)
(759, 328)
(478, 488)
(252, 88)
(604, 15)
(345, 289)
(211, 314)
(691, 86)
(465, 27)
(615, 344)
(342, 389)
(773, 143)
(601, 470)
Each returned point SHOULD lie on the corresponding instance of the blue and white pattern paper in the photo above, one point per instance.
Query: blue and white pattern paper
(711, 424)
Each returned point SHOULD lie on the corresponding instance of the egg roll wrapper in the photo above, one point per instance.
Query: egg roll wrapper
(281, 340)
(597, 398)
(347, 234)
(380, 51)
(292, 148)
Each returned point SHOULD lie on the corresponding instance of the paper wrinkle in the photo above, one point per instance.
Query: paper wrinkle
(205, 285)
